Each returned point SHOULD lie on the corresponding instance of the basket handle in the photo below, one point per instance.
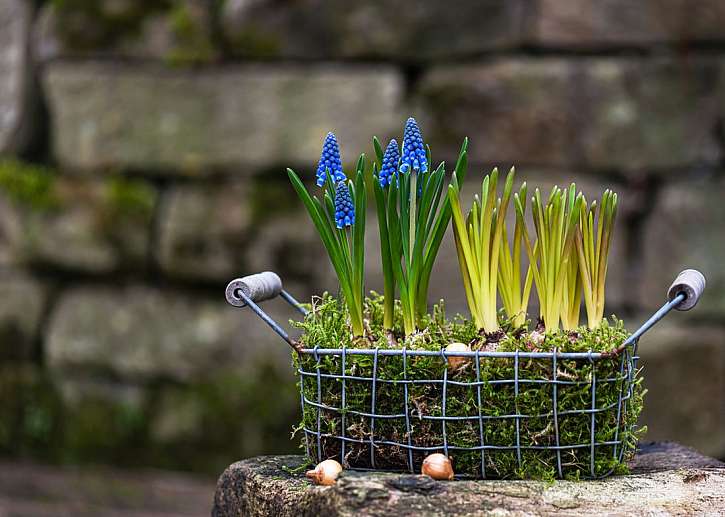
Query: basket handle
(258, 287)
(253, 289)
(691, 283)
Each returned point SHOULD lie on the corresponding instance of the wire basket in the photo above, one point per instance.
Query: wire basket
(355, 410)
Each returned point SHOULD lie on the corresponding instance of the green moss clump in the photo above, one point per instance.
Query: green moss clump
(28, 184)
(30, 412)
(193, 43)
(251, 42)
(265, 193)
(90, 25)
(500, 397)
(130, 199)
(230, 405)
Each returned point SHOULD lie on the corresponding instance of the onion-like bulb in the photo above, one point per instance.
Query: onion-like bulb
(455, 362)
(437, 466)
(325, 473)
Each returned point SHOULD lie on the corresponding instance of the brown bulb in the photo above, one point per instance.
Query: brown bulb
(456, 362)
(437, 466)
(325, 473)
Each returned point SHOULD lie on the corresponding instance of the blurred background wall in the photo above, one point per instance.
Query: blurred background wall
(142, 154)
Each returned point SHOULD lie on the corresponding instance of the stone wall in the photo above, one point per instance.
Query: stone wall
(143, 147)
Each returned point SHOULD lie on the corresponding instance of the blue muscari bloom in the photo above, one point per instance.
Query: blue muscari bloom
(389, 167)
(344, 209)
(330, 159)
(413, 153)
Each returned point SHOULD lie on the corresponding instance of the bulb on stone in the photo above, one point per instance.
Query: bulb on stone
(455, 362)
(325, 473)
(437, 466)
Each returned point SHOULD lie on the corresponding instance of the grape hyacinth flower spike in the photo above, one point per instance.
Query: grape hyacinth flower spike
(413, 154)
(330, 160)
(389, 166)
(344, 207)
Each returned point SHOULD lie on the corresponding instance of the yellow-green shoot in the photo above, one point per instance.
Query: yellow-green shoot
(514, 294)
(593, 244)
(478, 241)
(550, 256)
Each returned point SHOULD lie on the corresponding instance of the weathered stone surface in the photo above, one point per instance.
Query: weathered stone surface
(605, 113)
(681, 481)
(10, 231)
(176, 32)
(205, 230)
(632, 113)
(234, 228)
(22, 300)
(404, 28)
(685, 230)
(684, 371)
(155, 118)
(516, 111)
(15, 87)
(595, 23)
(140, 333)
(89, 225)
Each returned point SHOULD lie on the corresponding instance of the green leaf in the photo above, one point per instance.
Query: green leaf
(378, 150)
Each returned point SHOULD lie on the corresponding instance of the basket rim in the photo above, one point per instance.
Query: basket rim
(590, 355)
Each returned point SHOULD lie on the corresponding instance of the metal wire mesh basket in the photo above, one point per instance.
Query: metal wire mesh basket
(354, 409)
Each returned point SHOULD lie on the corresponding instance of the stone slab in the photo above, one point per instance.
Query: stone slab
(666, 479)
(415, 30)
(685, 230)
(139, 333)
(621, 23)
(106, 115)
(623, 114)
(15, 77)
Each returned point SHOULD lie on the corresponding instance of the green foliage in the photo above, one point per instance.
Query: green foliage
(479, 241)
(325, 326)
(193, 44)
(411, 230)
(89, 24)
(27, 184)
(593, 243)
(515, 297)
(345, 249)
(552, 255)
(129, 198)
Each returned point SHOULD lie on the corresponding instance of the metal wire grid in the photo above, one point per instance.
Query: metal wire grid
(627, 367)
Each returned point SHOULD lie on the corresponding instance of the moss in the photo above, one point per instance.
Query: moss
(30, 413)
(96, 430)
(28, 184)
(531, 398)
(251, 42)
(130, 199)
(193, 43)
(271, 198)
(89, 25)
(236, 418)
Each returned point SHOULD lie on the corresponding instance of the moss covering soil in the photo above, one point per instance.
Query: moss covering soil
(501, 397)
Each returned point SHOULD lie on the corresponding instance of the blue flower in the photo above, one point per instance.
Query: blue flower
(413, 153)
(344, 208)
(330, 159)
(389, 167)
